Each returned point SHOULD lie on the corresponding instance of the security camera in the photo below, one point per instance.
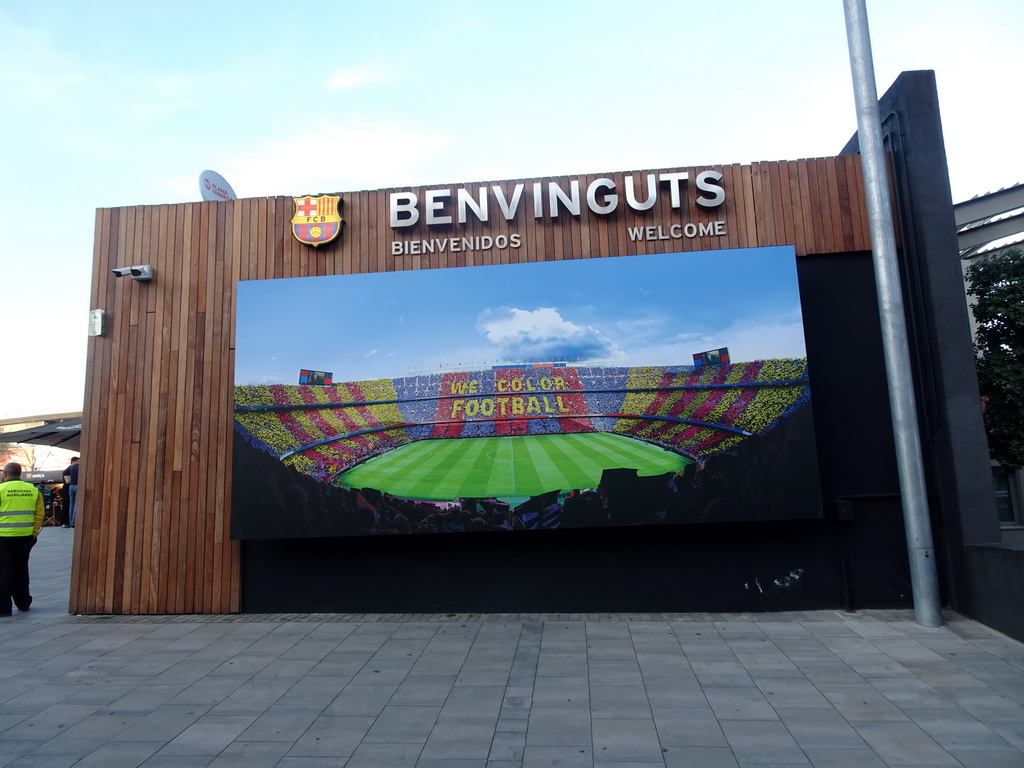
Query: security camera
(140, 272)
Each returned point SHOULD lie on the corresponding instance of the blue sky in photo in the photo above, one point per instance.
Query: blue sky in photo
(630, 310)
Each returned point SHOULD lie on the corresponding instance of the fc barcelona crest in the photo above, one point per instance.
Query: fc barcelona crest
(317, 219)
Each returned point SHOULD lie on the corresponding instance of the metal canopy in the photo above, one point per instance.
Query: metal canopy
(986, 219)
(66, 434)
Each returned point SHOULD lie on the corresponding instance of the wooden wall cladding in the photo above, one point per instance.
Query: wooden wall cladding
(152, 533)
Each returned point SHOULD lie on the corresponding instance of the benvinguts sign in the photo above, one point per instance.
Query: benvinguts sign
(459, 206)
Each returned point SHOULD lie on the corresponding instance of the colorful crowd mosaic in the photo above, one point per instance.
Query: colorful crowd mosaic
(321, 431)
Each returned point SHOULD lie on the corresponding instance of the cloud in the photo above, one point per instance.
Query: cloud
(356, 153)
(371, 353)
(542, 334)
(32, 67)
(345, 79)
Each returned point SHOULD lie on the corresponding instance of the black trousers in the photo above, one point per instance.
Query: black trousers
(14, 551)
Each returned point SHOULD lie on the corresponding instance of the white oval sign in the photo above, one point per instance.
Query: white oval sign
(212, 186)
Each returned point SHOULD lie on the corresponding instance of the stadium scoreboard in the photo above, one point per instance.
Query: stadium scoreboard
(718, 356)
(315, 378)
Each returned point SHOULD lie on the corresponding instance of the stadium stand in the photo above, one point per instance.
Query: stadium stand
(322, 431)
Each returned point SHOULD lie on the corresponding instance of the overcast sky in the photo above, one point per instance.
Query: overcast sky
(115, 103)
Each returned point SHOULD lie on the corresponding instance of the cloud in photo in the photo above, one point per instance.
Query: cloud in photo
(542, 334)
(757, 339)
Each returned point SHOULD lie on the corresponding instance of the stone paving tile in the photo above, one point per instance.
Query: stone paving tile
(862, 703)
(163, 723)
(11, 750)
(804, 649)
(764, 665)
(955, 728)
(942, 674)
(50, 722)
(485, 672)
(699, 757)
(505, 754)
(251, 754)
(675, 692)
(383, 672)
(87, 735)
(463, 739)
(559, 726)
(473, 701)
(504, 738)
(562, 663)
(178, 761)
(186, 672)
(619, 701)
(822, 728)
(901, 648)
(570, 756)
(405, 724)
(987, 705)
(439, 664)
(688, 727)
(391, 755)
(356, 700)
(987, 757)
(143, 699)
(666, 663)
(721, 672)
(423, 690)
(118, 753)
(208, 690)
(911, 693)
(739, 703)
(247, 698)
(1013, 733)
(707, 651)
(875, 665)
(36, 700)
(762, 741)
(517, 726)
(281, 722)
(904, 744)
(244, 664)
(820, 688)
(332, 737)
(844, 758)
(313, 690)
(792, 693)
(209, 735)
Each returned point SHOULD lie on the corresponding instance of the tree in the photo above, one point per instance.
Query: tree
(997, 284)
(12, 452)
(22, 454)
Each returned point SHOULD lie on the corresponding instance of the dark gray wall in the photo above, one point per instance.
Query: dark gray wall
(981, 579)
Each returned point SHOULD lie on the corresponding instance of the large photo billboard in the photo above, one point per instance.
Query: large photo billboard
(526, 396)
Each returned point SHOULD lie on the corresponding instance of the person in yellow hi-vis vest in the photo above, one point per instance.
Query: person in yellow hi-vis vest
(21, 517)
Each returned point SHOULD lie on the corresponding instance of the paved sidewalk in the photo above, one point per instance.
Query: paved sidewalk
(500, 691)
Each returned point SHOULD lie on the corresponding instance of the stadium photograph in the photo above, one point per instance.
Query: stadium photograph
(633, 390)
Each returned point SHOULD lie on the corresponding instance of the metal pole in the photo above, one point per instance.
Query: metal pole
(923, 579)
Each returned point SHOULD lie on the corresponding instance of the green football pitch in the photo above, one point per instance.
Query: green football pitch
(482, 467)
